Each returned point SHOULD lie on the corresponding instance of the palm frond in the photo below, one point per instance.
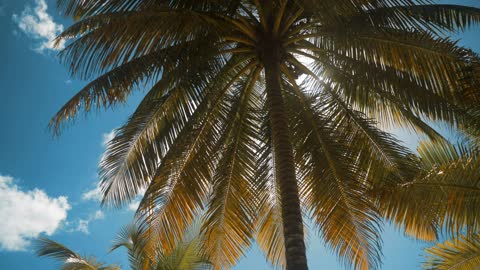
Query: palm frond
(443, 196)
(132, 157)
(188, 254)
(191, 157)
(269, 223)
(436, 18)
(334, 193)
(462, 253)
(116, 85)
(70, 260)
(230, 207)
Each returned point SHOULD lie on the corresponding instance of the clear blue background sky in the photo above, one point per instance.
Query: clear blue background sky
(38, 169)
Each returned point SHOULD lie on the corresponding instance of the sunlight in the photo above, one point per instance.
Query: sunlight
(306, 62)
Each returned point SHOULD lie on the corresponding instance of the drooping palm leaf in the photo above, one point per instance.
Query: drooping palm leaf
(444, 195)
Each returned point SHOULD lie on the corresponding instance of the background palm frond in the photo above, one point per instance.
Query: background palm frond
(462, 253)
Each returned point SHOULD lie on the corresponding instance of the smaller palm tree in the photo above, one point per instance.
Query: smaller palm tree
(70, 259)
(186, 255)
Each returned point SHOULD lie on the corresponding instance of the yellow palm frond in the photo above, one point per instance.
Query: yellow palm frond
(462, 253)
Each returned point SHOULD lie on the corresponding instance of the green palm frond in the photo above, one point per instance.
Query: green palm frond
(187, 254)
(116, 84)
(70, 260)
(445, 17)
(462, 253)
(133, 237)
(193, 155)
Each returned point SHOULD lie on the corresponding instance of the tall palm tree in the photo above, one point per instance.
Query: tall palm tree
(228, 127)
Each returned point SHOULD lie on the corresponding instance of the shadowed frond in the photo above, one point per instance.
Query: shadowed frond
(187, 254)
(335, 195)
(151, 132)
(231, 204)
(192, 156)
(437, 18)
(269, 223)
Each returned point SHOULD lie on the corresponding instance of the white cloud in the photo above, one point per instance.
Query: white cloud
(94, 194)
(133, 205)
(107, 137)
(26, 214)
(39, 25)
(82, 225)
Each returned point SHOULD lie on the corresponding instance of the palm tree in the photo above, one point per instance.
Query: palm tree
(228, 129)
(186, 255)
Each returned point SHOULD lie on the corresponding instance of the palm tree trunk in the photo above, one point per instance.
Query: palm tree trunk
(284, 163)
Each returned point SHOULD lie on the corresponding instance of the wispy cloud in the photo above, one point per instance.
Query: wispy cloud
(26, 214)
(135, 203)
(39, 25)
(94, 194)
(107, 137)
(82, 224)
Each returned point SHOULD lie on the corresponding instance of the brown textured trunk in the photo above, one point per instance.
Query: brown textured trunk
(284, 164)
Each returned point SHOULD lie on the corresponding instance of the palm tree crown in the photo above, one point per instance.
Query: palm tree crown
(227, 130)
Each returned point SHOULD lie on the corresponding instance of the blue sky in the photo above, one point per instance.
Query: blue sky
(47, 185)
